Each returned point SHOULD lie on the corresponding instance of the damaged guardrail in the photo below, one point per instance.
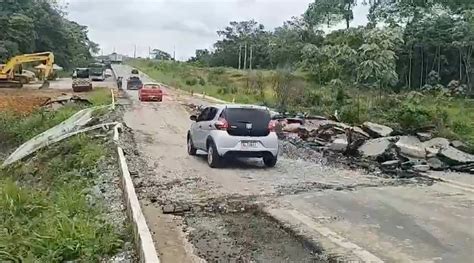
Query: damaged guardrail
(65, 129)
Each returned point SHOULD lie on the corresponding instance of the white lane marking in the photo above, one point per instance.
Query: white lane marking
(335, 238)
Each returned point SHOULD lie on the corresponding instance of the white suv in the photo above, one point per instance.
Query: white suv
(234, 131)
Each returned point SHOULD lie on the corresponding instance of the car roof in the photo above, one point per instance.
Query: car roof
(151, 83)
(240, 106)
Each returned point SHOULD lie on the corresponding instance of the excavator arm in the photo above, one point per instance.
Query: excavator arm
(7, 73)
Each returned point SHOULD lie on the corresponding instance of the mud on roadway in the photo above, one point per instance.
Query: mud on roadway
(303, 210)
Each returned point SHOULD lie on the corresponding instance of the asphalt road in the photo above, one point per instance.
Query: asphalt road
(350, 213)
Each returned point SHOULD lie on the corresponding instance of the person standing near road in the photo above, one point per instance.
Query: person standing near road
(119, 82)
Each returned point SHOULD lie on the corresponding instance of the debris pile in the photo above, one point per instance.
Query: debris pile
(193, 108)
(373, 143)
(65, 100)
(377, 143)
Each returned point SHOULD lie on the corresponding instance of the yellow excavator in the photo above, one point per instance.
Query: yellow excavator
(9, 78)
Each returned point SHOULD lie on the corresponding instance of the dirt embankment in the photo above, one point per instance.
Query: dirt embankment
(24, 100)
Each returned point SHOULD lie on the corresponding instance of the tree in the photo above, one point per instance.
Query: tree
(160, 54)
(377, 62)
(329, 12)
(40, 25)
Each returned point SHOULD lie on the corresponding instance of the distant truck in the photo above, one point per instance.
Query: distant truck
(115, 58)
(97, 71)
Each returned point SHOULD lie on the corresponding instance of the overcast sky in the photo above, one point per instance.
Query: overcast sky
(186, 25)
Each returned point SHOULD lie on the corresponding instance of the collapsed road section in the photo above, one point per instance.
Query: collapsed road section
(320, 209)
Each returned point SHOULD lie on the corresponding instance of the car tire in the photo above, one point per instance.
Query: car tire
(270, 161)
(190, 145)
(213, 158)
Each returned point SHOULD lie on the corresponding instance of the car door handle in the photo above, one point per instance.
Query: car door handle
(200, 126)
(210, 126)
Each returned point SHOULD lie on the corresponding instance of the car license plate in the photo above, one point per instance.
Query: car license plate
(248, 144)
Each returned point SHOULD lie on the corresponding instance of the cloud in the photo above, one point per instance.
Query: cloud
(183, 25)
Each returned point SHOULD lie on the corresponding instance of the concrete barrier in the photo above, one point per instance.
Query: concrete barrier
(141, 234)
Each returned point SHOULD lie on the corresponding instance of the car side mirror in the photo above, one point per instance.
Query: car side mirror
(193, 117)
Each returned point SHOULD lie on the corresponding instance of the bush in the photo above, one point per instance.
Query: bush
(191, 82)
(217, 71)
(202, 82)
(355, 113)
(341, 97)
(412, 116)
(312, 99)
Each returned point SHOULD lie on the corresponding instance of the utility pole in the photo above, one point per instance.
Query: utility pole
(135, 51)
(149, 52)
(245, 56)
(251, 53)
(240, 55)
(174, 52)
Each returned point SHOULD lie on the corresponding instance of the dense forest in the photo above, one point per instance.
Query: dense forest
(40, 25)
(407, 44)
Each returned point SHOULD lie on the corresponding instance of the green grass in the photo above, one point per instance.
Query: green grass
(47, 212)
(223, 83)
(100, 96)
(405, 111)
(45, 215)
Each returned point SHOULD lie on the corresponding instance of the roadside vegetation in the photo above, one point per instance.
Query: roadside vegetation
(48, 210)
(41, 25)
(406, 110)
(410, 67)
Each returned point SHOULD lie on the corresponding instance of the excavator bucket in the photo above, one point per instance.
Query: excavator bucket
(45, 85)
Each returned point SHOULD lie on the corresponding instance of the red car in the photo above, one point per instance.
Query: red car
(150, 92)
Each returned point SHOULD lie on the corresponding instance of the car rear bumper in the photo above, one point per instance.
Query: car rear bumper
(232, 145)
(151, 97)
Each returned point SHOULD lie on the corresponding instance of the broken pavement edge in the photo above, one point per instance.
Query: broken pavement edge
(144, 245)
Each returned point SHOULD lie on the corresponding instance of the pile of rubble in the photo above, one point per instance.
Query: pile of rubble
(377, 143)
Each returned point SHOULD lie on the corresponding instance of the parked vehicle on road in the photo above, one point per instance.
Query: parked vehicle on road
(81, 80)
(230, 131)
(150, 92)
(29, 75)
(108, 73)
(97, 71)
(134, 83)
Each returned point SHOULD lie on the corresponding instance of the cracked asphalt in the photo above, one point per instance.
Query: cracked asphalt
(348, 214)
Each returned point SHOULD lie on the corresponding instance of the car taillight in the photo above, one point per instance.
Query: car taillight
(221, 124)
(271, 125)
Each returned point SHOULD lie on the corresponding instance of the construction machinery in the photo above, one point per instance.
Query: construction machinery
(80, 80)
(8, 72)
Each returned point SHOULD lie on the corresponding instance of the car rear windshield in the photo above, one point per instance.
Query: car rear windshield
(247, 121)
(151, 86)
(135, 81)
(82, 73)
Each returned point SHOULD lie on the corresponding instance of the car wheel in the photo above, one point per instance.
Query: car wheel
(213, 158)
(270, 161)
(191, 149)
